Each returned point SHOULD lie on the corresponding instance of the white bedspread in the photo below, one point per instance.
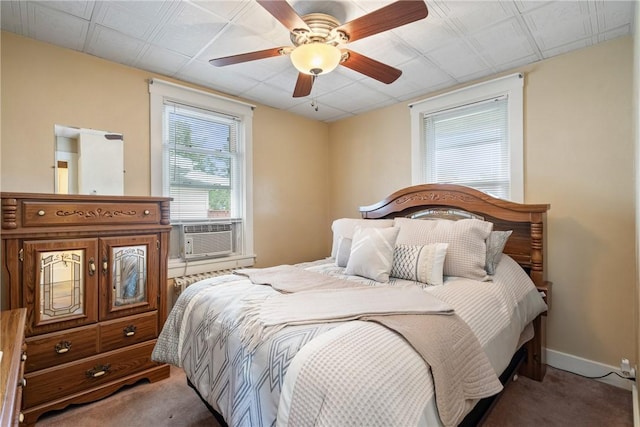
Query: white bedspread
(254, 388)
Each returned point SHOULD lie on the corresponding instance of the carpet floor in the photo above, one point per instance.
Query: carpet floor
(562, 399)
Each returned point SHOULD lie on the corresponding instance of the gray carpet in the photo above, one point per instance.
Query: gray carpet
(562, 399)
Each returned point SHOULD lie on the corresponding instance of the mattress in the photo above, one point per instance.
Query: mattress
(356, 361)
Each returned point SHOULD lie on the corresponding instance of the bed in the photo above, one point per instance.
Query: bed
(428, 302)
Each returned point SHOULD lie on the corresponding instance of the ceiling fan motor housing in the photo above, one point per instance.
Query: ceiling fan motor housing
(322, 31)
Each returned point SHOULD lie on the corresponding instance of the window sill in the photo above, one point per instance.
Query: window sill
(180, 267)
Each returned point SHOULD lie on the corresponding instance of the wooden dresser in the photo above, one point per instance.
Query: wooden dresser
(90, 271)
(14, 355)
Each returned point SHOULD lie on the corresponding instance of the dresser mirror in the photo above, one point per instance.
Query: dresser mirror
(88, 161)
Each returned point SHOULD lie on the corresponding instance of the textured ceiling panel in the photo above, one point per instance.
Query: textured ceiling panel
(459, 41)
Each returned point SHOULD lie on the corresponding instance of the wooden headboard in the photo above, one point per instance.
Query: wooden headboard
(526, 244)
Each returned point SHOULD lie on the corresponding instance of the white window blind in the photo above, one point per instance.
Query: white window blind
(200, 150)
(469, 145)
(472, 136)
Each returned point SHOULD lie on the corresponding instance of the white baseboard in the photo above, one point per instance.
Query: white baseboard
(636, 410)
(586, 367)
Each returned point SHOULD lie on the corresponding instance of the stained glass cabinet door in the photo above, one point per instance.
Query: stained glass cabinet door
(129, 275)
(62, 283)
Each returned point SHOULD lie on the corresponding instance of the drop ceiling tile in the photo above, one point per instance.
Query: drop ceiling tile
(189, 30)
(343, 11)
(221, 79)
(271, 95)
(227, 9)
(138, 19)
(80, 9)
(53, 26)
(458, 60)
(160, 60)
(13, 17)
(236, 39)
(559, 23)
(390, 50)
(428, 34)
(503, 43)
(114, 46)
(352, 97)
(613, 14)
(559, 50)
(418, 76)
(470, 16)
(324, 112)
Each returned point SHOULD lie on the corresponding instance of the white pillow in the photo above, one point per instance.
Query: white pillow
(467, 251)
(372, 253)
(345, 227)
(344, 250)
(422, 264)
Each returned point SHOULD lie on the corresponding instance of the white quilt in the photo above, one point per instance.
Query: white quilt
(255, 388)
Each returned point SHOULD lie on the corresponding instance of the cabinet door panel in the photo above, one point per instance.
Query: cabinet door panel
(129, 275)
(60, 284)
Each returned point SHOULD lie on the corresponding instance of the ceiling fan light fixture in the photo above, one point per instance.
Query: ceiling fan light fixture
(315, 58)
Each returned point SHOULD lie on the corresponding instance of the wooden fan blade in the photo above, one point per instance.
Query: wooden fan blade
(303, 85)
(283, 12)
(245, 57)
(391, 16)
(370, 67)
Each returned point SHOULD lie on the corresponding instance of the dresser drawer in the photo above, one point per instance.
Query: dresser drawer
(42, 214)
(64, 380)
(130, 330)
(61, 347)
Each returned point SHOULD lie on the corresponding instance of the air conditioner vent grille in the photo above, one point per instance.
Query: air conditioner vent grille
(206, 240)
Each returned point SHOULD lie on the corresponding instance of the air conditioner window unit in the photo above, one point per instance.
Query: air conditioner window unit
(207, 240)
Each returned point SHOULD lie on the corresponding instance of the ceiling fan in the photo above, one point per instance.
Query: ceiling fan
(318, 41)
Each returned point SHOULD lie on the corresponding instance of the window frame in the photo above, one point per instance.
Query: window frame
(161, 90)
(513, 87)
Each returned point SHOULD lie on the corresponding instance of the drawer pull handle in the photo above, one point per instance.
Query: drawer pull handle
(21, 417)
(63, 347)
(98, 371)
(92, 267)
(41, 213)
(146, 212)
(105, 265)
(24, 356)
(129, 331)
(22, 383)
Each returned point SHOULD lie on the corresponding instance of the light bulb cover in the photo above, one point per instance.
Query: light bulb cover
(315, 58)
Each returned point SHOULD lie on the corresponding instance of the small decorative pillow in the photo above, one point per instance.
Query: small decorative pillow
(344, 250)
(495, 245)
(372, 253)
(422, 264)
(467, 251)
(345, 227)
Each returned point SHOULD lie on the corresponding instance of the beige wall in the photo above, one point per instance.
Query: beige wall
(578, 157)
(578, 147)
(43, 85)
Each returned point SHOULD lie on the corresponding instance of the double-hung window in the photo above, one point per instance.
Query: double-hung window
(473, 137)
(201, 158)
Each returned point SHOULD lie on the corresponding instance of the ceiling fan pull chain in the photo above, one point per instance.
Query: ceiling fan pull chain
(314, 101)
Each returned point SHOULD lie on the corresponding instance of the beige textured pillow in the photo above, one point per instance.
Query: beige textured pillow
(422, 264)
(372, 253)
(345, 227)
(466, 254)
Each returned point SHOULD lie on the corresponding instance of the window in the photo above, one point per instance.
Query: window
(472, 137)
(200, 152)
(201, 157)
